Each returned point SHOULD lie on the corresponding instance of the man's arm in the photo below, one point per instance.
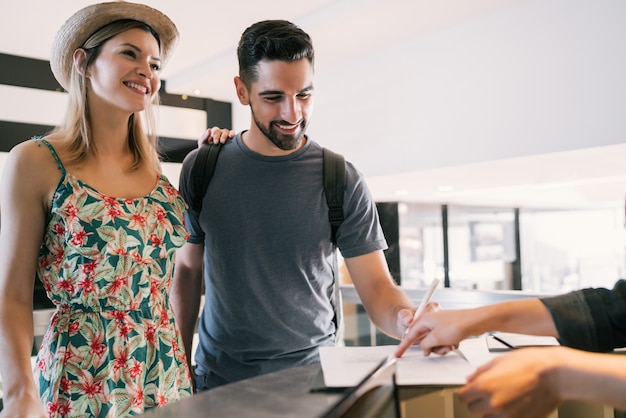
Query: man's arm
(389, 308)
(186, 291)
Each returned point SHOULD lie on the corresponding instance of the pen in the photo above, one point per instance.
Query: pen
(427, 296)
(500, 340)
(425, 300)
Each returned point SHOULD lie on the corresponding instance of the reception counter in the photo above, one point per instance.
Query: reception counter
(287, 394)
(280, 394)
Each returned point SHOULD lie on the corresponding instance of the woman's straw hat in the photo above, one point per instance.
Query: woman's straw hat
(84, 23)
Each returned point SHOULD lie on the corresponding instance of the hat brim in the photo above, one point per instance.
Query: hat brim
(78, 28)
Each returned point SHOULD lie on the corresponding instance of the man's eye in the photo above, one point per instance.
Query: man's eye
(272, 98)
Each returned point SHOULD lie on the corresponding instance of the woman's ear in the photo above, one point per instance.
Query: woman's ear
(80, 62)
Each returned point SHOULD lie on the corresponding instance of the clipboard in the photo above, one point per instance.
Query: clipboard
(382, 375)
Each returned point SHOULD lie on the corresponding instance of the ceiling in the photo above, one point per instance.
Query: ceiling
(347, 34)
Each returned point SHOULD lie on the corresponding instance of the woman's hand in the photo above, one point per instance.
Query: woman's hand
(215, 135)
(24, 407)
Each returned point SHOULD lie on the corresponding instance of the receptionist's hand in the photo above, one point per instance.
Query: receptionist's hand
(521, 383)
(435, 330)
(215, 135)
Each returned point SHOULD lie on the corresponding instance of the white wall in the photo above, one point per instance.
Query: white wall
(541, 76)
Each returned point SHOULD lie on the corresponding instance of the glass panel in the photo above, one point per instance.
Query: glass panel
(421, 244)
(571, 249)
(481, 247)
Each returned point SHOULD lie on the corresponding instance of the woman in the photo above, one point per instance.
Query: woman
(110, 223)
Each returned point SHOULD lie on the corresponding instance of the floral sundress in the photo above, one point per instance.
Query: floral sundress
(112, 348)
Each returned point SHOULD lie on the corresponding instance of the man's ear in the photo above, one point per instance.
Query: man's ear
(242, 91)
(80, 62)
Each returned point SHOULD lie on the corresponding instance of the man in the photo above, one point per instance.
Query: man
(263, 235)
(532, 382)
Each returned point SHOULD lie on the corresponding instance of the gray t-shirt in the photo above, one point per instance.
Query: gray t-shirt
(269, 265)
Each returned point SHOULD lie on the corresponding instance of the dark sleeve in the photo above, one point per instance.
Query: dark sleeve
(185, 185)
(591, 319)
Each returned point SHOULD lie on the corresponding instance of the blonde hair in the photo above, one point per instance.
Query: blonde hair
(76, 128)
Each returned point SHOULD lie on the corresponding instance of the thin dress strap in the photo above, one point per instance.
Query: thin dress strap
(54, 154)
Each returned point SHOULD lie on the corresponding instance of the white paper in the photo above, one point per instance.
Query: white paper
(347, 366)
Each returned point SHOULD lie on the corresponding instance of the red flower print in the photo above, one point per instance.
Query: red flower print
(164, 318)
(150, 334)
(74, 327)
(58, 228)
(136, 371)
(120, 362)
(113, 212)
(66, 285)
(79, 238)
(65, 384)
(88, 268)
(64, 410)
(139, 398)
(87, 285)
(125, 329)
(138, 220)
(156, 241)
(72, 211)
(119, 315)
(117, 284)
(92, 389)
(97, 347)
(52, 408)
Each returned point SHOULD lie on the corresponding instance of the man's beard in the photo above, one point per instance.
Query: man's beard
(282, 141)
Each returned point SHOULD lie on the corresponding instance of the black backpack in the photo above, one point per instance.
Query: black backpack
(334, 182)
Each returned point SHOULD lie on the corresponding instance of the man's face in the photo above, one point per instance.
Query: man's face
(281, 101)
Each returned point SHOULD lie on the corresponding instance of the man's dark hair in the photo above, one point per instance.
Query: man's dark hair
(272, 40)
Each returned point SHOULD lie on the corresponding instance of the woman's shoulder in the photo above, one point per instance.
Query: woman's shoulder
(33, 158)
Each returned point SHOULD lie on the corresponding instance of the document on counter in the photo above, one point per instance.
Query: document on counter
(344, 367)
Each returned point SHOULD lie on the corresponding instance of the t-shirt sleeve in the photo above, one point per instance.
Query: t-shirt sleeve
(192, 218)
(360, 233)
(591, 319)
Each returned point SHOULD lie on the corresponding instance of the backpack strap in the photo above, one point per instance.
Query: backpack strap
(334, 187)
(202, 171)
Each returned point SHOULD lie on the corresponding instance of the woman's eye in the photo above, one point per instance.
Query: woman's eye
(155, 67)
(130, 53)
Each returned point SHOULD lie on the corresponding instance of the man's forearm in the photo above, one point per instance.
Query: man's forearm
(185, 297)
